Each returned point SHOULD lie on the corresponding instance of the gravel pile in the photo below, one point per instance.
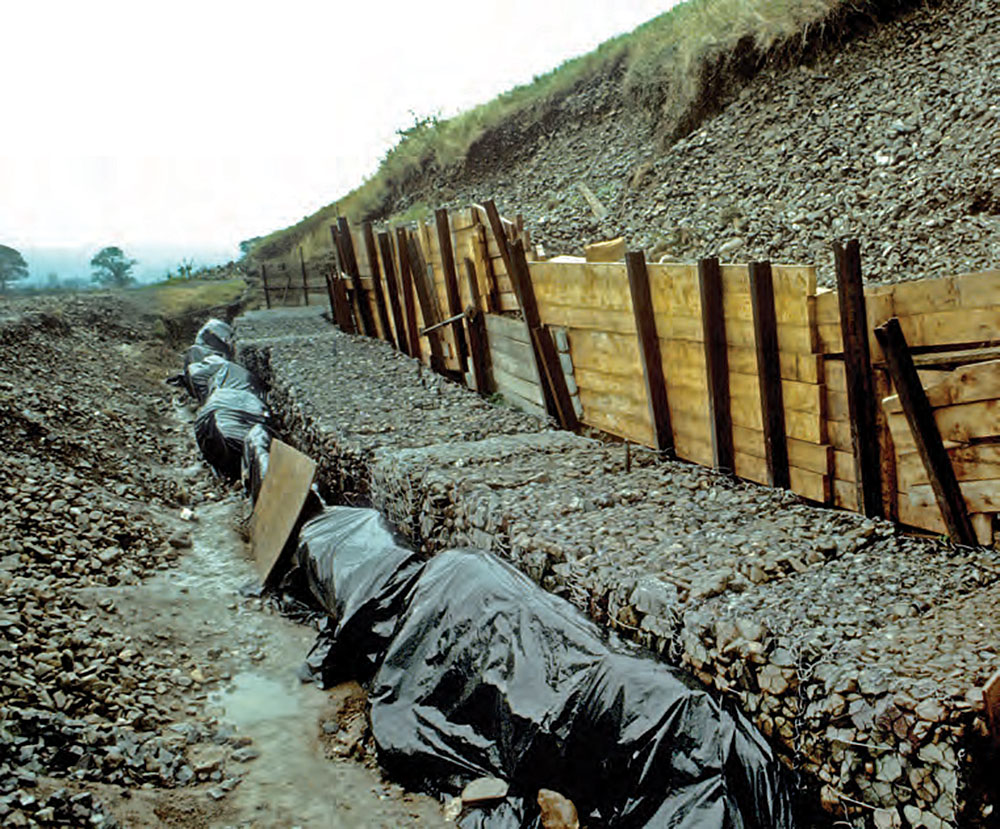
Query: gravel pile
(87, 506)
(855, 649)
(894, 139)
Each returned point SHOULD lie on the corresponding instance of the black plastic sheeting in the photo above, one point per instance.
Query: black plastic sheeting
(221, 427)
(256, 453)
(476, 671)
(198, 375)
(232, 375)
(217, 336)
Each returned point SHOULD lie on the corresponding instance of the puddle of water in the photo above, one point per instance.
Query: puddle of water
(253, 698)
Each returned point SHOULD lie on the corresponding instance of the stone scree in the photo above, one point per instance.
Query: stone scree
(859, 651)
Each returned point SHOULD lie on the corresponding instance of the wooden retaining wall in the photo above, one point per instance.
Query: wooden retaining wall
(714, 326)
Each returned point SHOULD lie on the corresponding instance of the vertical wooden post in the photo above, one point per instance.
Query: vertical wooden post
(496, 225)
(305, 281)
(383, 314)
(406, 285)
(338, 294)
(267, 290)
(493, 291)
(713, 325)
(451, 282)
(861, 402)
(649, 350)
(478, 342)
(888, 481)
(557, 399)
(350, 261)
(427, 307)
(926, 434)
(772, 403)
(392, 288)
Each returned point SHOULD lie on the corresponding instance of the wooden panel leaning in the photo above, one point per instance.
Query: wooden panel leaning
(649, 350)
(769, 374)
(392, 288)
(716, 363)
(925, 431)
(860, 381)
(383, 313)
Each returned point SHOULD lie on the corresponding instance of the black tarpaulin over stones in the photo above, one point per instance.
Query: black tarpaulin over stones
(232, 375)
(221, 427)
(256, 454)
(217, 336)
(198, 373)
(479, 672)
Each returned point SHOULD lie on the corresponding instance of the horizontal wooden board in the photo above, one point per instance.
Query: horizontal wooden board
(507, 327)
(811, 485)
(971, 463)
(605, 412)
(960, 423)
(845, 495)
(517, 390)
(980, 496)
(605, 351)
(968, 384)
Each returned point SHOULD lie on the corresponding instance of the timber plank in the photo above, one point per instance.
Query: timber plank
(512, 384)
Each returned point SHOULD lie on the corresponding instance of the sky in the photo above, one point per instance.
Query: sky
(195, 125)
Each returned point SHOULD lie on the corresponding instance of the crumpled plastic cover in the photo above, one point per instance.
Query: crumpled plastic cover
(480, 672)
(357, 573)
(256, 453)
(217, 336)
(198, 375)
(221, 427)
(232, 375)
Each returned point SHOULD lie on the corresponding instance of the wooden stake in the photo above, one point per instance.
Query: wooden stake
(427, 308)
(496, 225)
(478, 341)
(772, 405)
(451, 282)
(263, 278)
(926, 434)
(406, 285)
(392, 288)
(558, 401)
(713, 324)
(493, 291)
(338, 292)
(350, 261)
(649, 351)
(861, 403)
(305, 281)
(383, 313)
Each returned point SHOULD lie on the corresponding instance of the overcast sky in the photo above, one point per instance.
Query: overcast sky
(204, 123)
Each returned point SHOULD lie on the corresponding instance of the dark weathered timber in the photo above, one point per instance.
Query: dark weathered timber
(427, 307)
(347, 323)
(887, 477)
(479, 351)
(499, 233)
(350, 262)
(554, 377)
(392, 288)
(926, 434)
(557, 400)
(772, 403)
(649, 350)
(383, 312)
(493, 294)
(861, 404)
(451, 281)
(305, 279)
(713, 323)
(406, 286)
(263, 278)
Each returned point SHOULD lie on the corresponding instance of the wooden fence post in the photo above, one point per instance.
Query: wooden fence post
(493, 293)
(478, 342)
(713, 325)
(496, 225)
(305, 280)
(861, 402)
(550, 371)
(392, 287)
(649, 351)
(267, 290)
(343, 313)
(427, 307)
(406, 285)
(772, 403)
(451, 282)
(926, 434)
(383, 314)
(351, 264)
